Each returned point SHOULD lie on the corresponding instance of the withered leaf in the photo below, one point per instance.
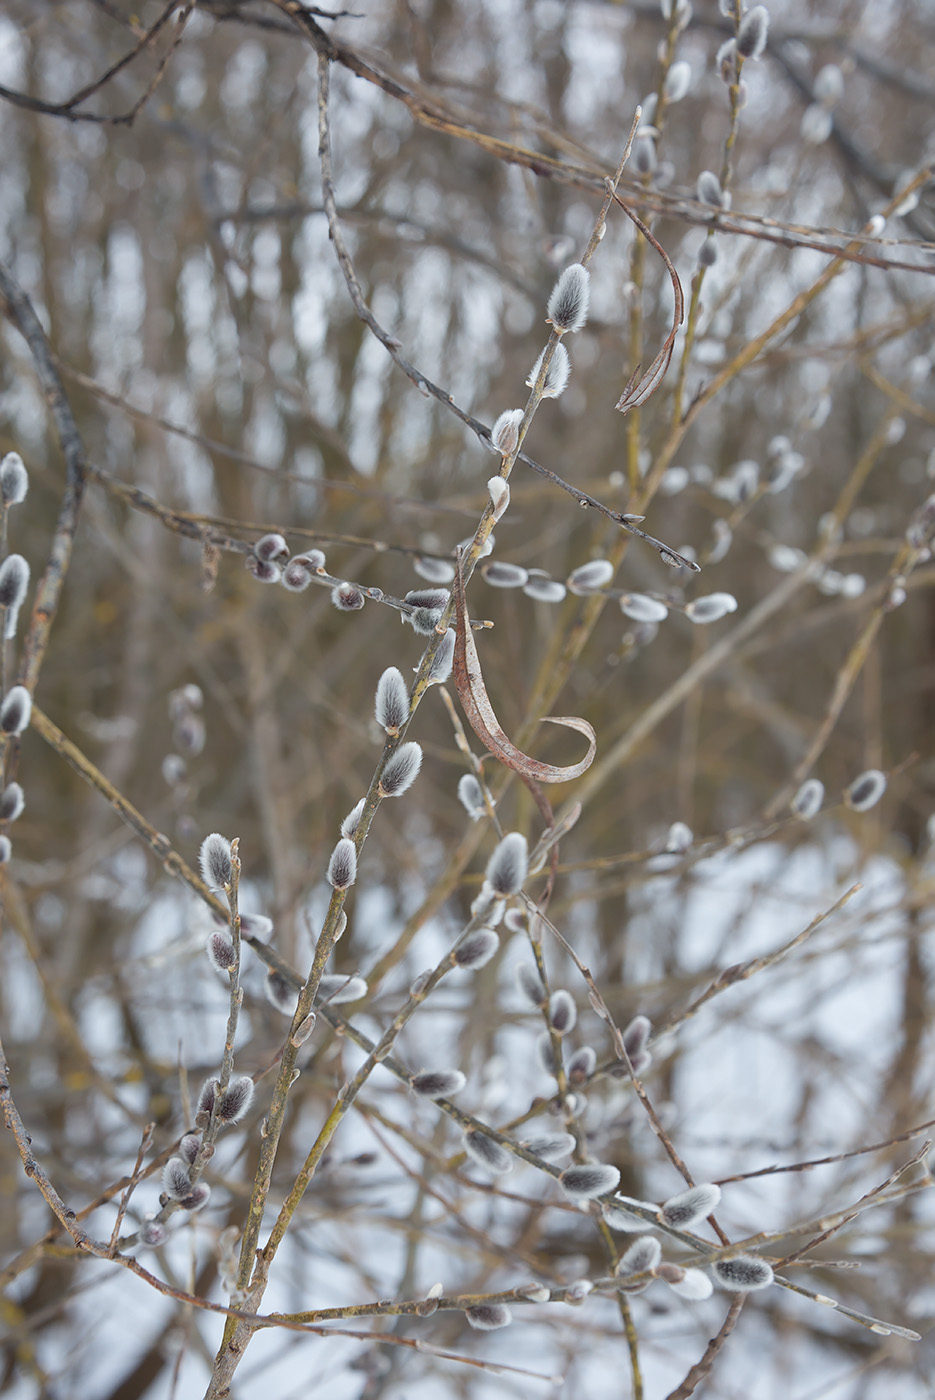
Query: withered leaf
(472, 693)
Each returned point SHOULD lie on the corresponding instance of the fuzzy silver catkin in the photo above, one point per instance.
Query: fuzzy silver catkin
(807, 801)
(588, 578)
(391, 705)
(505, 431)
(570, 299)
(471, 796)
(16, 710)
(711, 608)
(14, 480)
(272, 549)
(542, 588)
(753, 32)
(644, 1253)
(556, 376)
(549, 1148)
(12, 802)
(866, 790)
(562, 1012)
(437, 1083)
(477, 949)
(688, 1207)
(234, 1102)
(342, 867)
(487, 1317)
(401, 770)
(215, 861)
(347, 597)
(743, 1274)
(500, 574)
(487, 1152)
(443, 660)
(508, 866)
(221, 951)
(587, 1180)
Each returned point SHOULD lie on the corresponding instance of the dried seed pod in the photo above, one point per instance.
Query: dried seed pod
(550, 1148)
(866, 790)
(336, 989)
(487, 1317)
(688, 1207)
(752, 34)
(499, 574)
(215, 861)
(235, 1100)
(530, 984)
(562, 1012)
(505, 432)
(437, 1083)
(807, 801)
(743, 1274)
(569, 299)
(508, 866)
(643, 609)
(556, 376)
(585, 1181)
(487, 1152)
(443, 660)
(352, 821)
(392, 701)
(711, 608)
(175, 1180)
(347, 597)
(221, 951)
(14, 480)
(15, 711)
(12, 802)
(643, 1254)
(471, 796)
(342, 867)
(401, 770)
(477, 949)
(590, 577)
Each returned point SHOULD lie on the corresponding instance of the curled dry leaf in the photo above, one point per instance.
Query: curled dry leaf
(472, 693)
(639, 388)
